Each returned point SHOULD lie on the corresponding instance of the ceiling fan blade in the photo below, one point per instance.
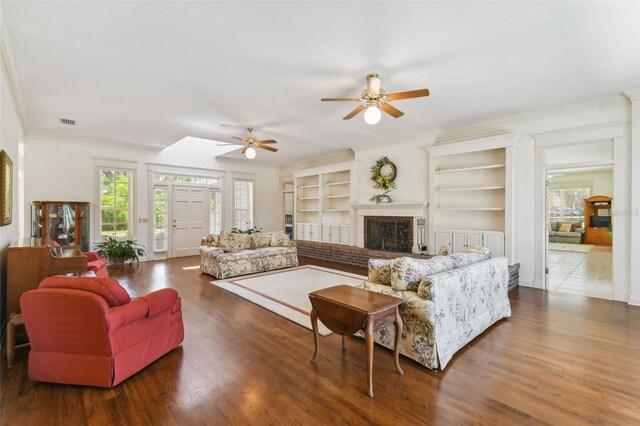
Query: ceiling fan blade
(267, 141)
(240, 139)
(391, 110)
(407, 95)
(244, 149)
(340, 99)
(229, 143)
(268, 148)
(354, 112)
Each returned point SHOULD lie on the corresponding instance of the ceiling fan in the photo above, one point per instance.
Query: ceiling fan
(250, 143)
(374, 99)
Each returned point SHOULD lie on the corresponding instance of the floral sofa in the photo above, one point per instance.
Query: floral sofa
(229, 255)
(447, 301)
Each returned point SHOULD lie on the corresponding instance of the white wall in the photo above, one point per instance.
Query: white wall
(411, 179)
(599, 181)
(10, 138)
(62, 171)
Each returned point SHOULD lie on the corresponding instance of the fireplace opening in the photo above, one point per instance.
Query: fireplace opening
(388, 233)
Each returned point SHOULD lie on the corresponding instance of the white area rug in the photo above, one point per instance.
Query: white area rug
(577, 248)
(286, 292)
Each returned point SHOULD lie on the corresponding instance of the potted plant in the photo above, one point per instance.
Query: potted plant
(118, 252)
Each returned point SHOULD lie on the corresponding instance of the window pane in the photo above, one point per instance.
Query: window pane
(115, 188)
(161, 231)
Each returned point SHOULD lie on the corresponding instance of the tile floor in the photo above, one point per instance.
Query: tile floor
(585, 274)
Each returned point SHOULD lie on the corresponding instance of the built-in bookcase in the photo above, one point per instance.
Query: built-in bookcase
(470, 195)
(323, 206)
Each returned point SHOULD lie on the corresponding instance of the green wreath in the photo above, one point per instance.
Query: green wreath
(380, 180)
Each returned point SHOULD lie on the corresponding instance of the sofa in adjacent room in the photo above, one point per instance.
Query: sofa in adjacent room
(570, 233)
(228, 255)
(447, 301)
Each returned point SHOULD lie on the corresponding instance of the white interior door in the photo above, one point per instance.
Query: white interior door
(190, 211)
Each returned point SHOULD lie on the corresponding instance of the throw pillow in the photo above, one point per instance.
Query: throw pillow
(380, 271)
(211, 240)
(224, 241)
(565, 227)
(108, 288)
(260, 240)
(573, 227)
(279, 239)
(408, 272)
(424, 289)
(242, 241)
(468, 258)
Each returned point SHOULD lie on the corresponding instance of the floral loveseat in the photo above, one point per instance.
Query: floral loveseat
(229, 255)
(447, 301)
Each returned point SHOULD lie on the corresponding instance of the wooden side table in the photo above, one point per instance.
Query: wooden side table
(345, 310)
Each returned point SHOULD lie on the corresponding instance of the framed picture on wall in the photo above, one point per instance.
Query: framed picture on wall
(6, 188)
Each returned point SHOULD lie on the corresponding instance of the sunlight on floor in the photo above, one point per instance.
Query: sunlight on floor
(191, 267)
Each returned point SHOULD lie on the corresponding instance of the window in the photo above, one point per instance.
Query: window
(187, 179)
(215, 212)
(243, 204)
(115, 203)
(567, 204)
(160, 218)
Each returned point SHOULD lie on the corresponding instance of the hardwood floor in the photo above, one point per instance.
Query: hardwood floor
(560, 359)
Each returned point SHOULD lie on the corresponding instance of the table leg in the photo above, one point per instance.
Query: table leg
(11, 337)
(368, 338)
(396, 350)
(314, 324)
(344, 344)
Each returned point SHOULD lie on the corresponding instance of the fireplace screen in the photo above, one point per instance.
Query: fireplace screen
(388, 233)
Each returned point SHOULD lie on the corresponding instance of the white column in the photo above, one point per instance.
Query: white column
(634, 212)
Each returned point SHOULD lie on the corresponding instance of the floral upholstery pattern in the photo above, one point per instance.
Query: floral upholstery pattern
(210, 240)
(468, 258)
(279, 239)
(459, 304)
(224, 264)
(260, 240)
(243, 241)
(380, 271)
(408, 272)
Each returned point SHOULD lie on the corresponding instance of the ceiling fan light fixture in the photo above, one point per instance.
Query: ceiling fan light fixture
(372, 115)
(250, 153)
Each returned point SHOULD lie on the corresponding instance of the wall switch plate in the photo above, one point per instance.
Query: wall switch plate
(143, 220)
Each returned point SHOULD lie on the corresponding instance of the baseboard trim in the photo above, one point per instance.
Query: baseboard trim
(634, 302)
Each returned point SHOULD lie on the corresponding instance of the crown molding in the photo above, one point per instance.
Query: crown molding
(292, 166)
(502, 125)
(101, 143)
(9, 71)
(632, 94)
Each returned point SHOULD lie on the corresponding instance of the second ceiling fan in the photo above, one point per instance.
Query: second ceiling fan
(374, 99)
(250, 143)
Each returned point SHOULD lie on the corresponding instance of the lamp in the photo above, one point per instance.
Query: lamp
(372, 115)
(250, 153)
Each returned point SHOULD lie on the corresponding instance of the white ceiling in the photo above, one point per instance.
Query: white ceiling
(155, 72)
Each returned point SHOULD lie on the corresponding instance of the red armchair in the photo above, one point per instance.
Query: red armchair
(88, 331)
(96, 264)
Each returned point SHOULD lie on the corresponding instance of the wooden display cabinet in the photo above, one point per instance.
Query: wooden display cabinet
(598, 205)
(65, 222)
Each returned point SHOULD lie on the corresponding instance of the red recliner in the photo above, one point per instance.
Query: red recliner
(96, 264)
(88, 331)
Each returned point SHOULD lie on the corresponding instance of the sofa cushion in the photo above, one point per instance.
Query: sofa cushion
(568, 234)
(279, 239)
(275, 251)
(260, 240)
(224, 241)
(565, 227)
(554, 225)
(380, 271)
(109, 289)
(241, 255)
(96, 265)
(408, 272)
(243, 241)
(467, 258)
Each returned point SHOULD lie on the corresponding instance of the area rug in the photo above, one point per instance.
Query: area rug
(286, 292)
(577, 248)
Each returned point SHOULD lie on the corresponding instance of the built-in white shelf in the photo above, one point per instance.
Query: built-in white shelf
(477, 188)
(308, 186)
(309, 198)
(469, 169)
(309, 210)
(488, 209)
(337, 196)
(346, 182)
(336, 210)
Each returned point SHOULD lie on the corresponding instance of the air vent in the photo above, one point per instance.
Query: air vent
(68, 122)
